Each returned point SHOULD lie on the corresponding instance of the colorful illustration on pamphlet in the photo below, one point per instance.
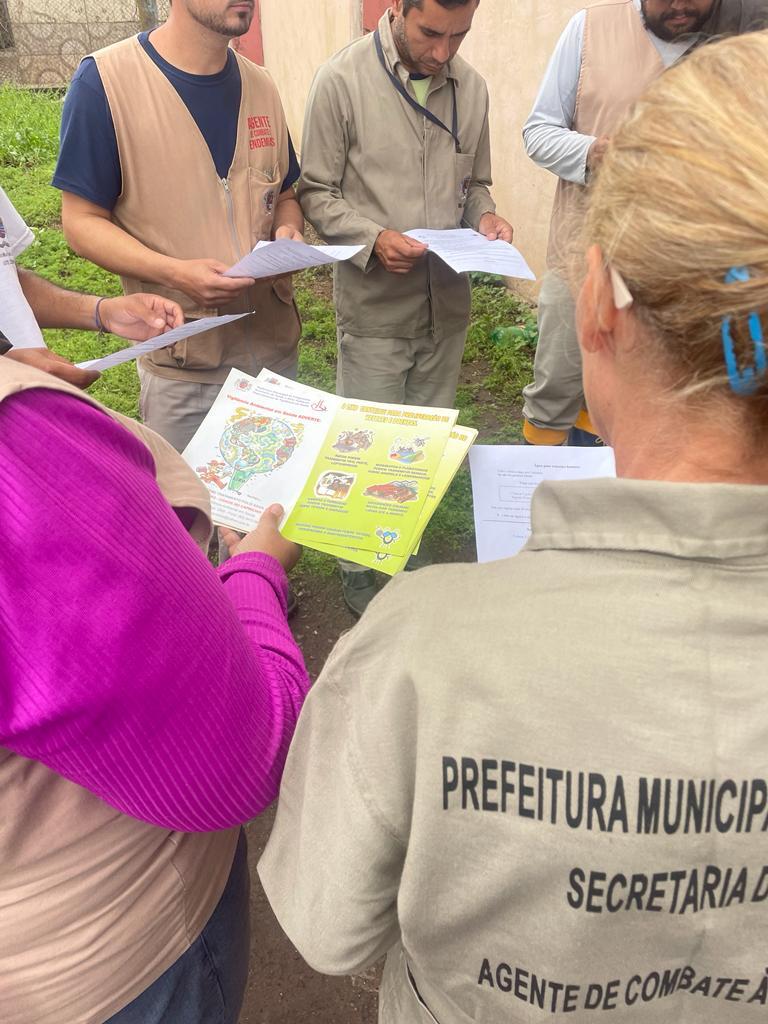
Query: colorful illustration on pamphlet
(408, 451)
(398, 491)
(250, 445)
(334, 485)
(354, 441)
(216, 472)
(387, 536)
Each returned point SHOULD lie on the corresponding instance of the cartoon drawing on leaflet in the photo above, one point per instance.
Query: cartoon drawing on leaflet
(398, 491)
(354, 441)
(387, 537)
(408, 451)
(250, 445)
(334, 485)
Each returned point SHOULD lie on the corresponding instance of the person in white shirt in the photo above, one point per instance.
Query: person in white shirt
(607, 55)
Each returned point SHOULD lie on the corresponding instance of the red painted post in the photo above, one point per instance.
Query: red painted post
(372, 11)
(251, 45)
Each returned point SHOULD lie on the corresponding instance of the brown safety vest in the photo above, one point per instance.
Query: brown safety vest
(174, 203)
(95, 905)
(618, 62)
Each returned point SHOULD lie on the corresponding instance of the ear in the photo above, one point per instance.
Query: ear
(396, 6)
(597, 311)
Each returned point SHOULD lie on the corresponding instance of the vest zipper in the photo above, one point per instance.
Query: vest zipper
(231, 217)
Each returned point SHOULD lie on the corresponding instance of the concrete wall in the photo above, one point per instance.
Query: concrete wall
(299, 35)
(510, 44)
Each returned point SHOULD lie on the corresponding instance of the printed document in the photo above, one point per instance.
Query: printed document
(358, 479)
(504, 478)
(17, 321)
(188, 330)
(464, 249)
(267, 259)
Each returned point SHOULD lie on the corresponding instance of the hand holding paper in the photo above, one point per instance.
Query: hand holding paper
(463, 249)
(360, 479)
(161, 341)
(283, 256)
(139, 316)
(208, 282)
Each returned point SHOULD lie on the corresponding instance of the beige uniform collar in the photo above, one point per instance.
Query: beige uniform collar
(392, 56)
(724, 521)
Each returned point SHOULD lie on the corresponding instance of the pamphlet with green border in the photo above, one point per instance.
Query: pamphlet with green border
(372, 478)
(360, 480)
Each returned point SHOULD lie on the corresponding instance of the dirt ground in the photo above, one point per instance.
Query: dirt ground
(281, 988)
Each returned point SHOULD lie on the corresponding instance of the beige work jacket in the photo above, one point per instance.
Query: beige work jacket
(95, 905)
(370, 162)
(541, 782)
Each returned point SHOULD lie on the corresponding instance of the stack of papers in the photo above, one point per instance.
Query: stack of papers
(359, 480)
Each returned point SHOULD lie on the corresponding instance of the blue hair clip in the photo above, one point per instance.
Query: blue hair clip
(743, 382)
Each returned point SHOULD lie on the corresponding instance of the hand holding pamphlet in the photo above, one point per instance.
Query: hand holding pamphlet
(359, 480)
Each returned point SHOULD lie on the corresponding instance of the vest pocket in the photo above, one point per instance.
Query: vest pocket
(263, 190)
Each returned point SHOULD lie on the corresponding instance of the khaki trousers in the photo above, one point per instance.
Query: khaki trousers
(555, 398)
(403, 371)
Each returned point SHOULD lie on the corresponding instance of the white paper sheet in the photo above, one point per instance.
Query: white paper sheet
(504, 478)
(17, 321)
(285, 255)
(188, 330)
(464, 249)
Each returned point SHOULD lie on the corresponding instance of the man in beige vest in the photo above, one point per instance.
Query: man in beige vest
(396, 137)
(603, 61)
(175, 160)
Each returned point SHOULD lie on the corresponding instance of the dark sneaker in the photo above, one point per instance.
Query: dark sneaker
(578, 438)
(359, 589)
(416, 562)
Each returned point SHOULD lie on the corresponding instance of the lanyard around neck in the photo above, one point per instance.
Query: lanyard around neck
(454, 131)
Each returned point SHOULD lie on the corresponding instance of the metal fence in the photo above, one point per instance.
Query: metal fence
(42, 41)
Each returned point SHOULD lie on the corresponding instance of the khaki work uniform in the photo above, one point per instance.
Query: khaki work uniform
(618, 62)
(78, 877)
(174, 203)
(370, 162)
(539, 784)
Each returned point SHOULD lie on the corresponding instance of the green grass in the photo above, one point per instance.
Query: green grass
(498, 360)
(29, 127)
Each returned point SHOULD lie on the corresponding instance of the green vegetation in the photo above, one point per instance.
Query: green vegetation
(29, 126)
(497, 362)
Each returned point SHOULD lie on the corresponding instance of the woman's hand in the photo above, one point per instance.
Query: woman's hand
(266, 538)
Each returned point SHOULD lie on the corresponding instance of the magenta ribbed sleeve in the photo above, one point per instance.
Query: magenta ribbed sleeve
(126, 664)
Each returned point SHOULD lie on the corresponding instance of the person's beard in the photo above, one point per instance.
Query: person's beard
(401, 42)
(659, 27)
(234, 26)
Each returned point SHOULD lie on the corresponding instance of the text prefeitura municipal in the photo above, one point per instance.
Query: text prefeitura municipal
(592, 800)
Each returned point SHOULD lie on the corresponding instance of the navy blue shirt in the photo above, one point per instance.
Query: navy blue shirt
(89, 163)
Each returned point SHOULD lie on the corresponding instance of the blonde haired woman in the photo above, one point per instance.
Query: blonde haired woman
(539, 785)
